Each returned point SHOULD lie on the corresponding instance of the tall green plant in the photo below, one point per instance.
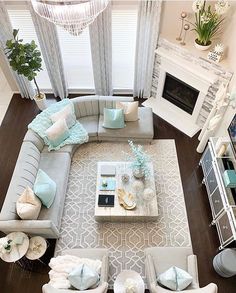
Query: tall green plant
(208, 21)
(24, 58)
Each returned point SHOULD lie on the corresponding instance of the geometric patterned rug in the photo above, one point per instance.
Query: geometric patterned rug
(126, 241)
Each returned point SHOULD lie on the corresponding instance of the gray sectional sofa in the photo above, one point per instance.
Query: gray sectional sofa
(34, 155)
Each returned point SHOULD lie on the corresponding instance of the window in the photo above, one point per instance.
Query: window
(21, 19)
(124, 27)
(76, 55)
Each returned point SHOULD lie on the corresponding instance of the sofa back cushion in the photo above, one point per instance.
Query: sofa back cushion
(33, 137)
(24, 175)
(86, 106)
(109, 102)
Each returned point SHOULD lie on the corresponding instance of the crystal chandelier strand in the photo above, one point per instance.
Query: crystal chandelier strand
(74, 16)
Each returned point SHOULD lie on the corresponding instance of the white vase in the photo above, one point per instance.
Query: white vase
(41, 102)
(201, 47)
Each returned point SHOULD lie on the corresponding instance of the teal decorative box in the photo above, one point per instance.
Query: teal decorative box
(229, 177)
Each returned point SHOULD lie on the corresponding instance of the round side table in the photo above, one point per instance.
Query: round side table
(18, 250)
(119, 284)
(37, 248)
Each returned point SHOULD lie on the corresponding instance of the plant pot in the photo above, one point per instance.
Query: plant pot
(41, 101)
(201, 47)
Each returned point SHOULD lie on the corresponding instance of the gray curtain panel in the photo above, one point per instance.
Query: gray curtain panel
(25, 88)
(101, 49)
(50, 48)
(147, 37)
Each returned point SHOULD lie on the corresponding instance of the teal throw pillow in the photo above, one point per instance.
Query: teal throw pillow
(175, 279)
(114, 118)
(83, 277)
(45, 188)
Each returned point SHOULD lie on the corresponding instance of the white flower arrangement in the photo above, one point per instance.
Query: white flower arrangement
(222, 7)
(219, 49)
(197, 5)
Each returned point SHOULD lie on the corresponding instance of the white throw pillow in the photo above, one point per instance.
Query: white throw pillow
(58, 132)
(175, 279)
(28, 205)
(66, 113)
(130, 110)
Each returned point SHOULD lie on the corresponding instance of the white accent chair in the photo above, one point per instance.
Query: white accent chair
(91, 253)
(160, 259)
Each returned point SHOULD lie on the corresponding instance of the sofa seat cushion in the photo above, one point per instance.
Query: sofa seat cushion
(90, 123)
(52, 164)
(140, 129)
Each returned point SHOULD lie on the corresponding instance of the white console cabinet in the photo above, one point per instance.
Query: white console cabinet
(222, 200)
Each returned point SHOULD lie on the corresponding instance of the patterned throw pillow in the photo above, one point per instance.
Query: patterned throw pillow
(83, 277)
(175, 279)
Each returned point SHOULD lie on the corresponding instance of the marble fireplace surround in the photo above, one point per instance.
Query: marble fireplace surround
(194, 71)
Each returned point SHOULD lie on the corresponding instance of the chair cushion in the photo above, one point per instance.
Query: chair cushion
(28, 205)
(58, 132)
(67, 113)
(175, 279)
(113, 118)
(83, 277)
(142, 128)
(51, 163)
(90, 123)
(45, 188)
(130, 110)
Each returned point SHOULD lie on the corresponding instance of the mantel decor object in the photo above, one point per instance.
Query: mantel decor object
(186, 28)
(216, 54)
(183, 15)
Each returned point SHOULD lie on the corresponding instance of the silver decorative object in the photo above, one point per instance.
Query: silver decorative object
(186, 28)
(125, 178)
(183, 15)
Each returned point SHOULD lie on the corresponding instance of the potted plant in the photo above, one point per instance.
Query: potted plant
(26, 60)
(208, 21)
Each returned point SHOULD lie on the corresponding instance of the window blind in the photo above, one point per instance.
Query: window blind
(76, 55)
(21, 19)
(124, 27)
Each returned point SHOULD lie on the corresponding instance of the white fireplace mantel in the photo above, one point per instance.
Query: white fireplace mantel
(193, 75)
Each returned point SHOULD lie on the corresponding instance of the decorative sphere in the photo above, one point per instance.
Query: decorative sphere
(148, 194)
(183, 14)
(186, 26)
(137, 186)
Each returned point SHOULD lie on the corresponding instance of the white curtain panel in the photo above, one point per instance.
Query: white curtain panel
(25, 88)
(101, 48)
(147, 37)
(50, 48)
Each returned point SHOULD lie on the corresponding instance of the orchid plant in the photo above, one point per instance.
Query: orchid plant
(139, 159)
(5, 245)
(208, 20)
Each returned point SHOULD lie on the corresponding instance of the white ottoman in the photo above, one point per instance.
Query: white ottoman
(225, 263)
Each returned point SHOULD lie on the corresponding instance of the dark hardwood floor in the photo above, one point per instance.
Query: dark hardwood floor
(14, 279)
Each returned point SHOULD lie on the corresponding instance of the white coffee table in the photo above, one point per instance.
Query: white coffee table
(18, 250)
(144, 211)
(119, 284)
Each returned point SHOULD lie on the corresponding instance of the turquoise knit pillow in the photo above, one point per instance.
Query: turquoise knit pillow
(45, 188)
(114, 118)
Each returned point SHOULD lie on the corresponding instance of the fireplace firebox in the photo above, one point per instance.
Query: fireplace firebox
(179, 93)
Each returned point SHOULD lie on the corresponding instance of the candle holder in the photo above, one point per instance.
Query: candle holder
(186, 28)
(183, 15)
